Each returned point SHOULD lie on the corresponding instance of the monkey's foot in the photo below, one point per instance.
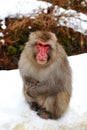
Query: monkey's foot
(44, 114)
(34, 106)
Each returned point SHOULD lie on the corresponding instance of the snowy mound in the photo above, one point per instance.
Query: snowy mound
(15, 113)
(69, 18)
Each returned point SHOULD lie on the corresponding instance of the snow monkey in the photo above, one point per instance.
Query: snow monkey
(46, 75)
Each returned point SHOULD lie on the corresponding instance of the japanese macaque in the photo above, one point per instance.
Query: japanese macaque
(46, 75)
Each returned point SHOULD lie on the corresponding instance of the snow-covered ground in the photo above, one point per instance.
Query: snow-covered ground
(15, 113)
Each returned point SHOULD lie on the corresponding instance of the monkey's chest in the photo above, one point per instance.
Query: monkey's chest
(40, 75)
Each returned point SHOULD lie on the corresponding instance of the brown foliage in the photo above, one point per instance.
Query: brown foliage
(15, 34)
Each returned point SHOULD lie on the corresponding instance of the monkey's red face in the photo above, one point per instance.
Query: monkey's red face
(42, 48)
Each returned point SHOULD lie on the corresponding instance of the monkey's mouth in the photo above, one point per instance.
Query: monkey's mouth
(42, 61)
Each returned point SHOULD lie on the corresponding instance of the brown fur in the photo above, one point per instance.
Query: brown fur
(47, 88)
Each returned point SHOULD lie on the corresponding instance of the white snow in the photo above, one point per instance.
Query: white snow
(24, 7)
(70, 18)
(15, 113)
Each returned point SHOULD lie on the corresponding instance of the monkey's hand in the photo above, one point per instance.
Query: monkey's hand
(30, 82)
(33, 82)
(38, 89)
(30, 86)
(32, 92)
(43, 88)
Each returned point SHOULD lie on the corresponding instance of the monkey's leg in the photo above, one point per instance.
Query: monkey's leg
(61, 104)
(55, 106)
(47, 108)
(44, 114)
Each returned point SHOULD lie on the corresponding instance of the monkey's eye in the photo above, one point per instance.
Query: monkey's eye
(39, 44)
(43, 45)
(47, 46)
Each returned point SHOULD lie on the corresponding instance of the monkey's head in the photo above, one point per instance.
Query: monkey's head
(41, 47)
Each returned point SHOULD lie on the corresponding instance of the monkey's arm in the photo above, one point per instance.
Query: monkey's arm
(29, 82)
(47, 87)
